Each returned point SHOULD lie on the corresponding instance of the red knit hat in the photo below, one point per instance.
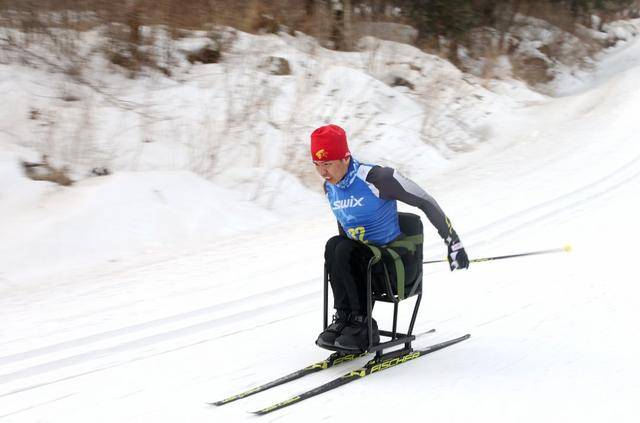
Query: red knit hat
(329, 142)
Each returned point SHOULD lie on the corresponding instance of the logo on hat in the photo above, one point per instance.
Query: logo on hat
(322, 154)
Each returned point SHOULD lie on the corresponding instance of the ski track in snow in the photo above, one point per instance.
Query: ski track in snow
(562, 204)
(203, 312)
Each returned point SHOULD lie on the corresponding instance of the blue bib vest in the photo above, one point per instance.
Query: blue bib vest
(363, 215)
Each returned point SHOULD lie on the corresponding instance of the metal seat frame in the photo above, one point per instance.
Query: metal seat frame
(395, 337)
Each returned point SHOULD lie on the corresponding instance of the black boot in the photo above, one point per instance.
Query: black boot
(356, 335)
(329, 335)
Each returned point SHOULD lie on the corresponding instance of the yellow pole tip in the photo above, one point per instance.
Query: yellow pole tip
(567, 248)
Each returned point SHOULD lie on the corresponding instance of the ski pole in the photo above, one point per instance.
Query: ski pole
(566, 248)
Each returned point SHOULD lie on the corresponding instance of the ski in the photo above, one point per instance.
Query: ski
(331, 361)
(373, 366)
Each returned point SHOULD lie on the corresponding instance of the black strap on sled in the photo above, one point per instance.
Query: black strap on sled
(409, 243)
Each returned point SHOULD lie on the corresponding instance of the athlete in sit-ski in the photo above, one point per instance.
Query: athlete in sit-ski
(364, 198)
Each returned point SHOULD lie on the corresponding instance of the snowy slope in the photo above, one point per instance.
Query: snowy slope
(152, 337)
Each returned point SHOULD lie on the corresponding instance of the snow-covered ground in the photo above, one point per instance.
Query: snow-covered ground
(142, 295)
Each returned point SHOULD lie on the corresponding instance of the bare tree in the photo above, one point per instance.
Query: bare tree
(310, 7)
(341, 12)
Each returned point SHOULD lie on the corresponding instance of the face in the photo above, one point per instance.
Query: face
(332, 171)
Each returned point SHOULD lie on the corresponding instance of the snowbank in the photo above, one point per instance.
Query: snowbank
(46, 227)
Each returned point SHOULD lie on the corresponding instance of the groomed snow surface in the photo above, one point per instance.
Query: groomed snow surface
(140, 296)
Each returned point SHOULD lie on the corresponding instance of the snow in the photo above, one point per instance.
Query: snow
(142, 295)
(123, 213)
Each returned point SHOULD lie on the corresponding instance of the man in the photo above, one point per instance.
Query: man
(363, 199)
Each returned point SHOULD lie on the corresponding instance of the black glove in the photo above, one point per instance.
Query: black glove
(456, 254)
